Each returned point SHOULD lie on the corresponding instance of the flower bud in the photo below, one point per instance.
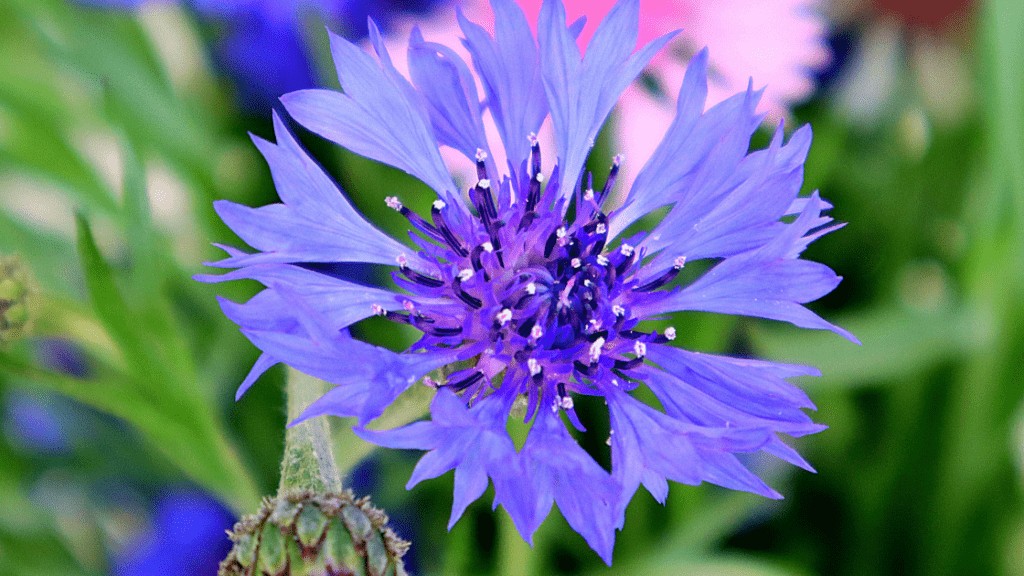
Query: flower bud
(307, 534)
(16, 298)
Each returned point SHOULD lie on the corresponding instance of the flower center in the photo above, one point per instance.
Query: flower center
(525, 292)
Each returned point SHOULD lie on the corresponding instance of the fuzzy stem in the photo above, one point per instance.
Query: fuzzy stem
(308, 463)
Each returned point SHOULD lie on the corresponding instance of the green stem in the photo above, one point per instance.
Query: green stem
(308, 463)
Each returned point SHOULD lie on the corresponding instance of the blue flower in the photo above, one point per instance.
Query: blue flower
(187, 538)
(531, 292)
(264, 46)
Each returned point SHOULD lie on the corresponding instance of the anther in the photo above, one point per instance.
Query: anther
(601, 229)
(465, 274)
(536, 332)
(626, 250)
(531, 288)
(535, 368)
(665, 278)
(469, 299)
(409, 307)
(466, 382)
(619, 311)
(430, 383)
(602, 260)
(378, 310)
(503, 317)
(670, 333)
(421, 279)
(588, 194)
(640, 349)
(393, 203)
(595, 350)
(446, 232)
(488, 247)
(576, 263)
(402, 260)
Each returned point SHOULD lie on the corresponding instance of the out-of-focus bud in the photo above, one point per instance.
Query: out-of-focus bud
(307, 534)
(17, 295)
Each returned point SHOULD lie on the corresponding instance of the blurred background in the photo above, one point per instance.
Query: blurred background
(123, 452)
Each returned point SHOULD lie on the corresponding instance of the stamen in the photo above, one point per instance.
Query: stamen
(535, 368)
(466, 382)
(421, 279)
(446, 232)
(465, 274)
(626, 250)
(393, 203)
(665, 278)
(481, 164)
(469, 299)
(612, 175)
(588, 194)
(503, 317)
(488, 247)
(378, 310)
(531, 288)
(536, 332)
(602, 260)
(670, 333)
(402, 260)
(640, 349)
(431, 383)
(575, 263)
(618, 310)
(595, 350)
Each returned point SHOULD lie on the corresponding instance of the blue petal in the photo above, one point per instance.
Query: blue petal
(582, 91)
(744, 213)
(315, 224)
(698, 155)
(509, 68)
(767, 282)
(473, 442)
(263, 363)
(558, 469)
(336, 303)
(378, 116)
(446, 84)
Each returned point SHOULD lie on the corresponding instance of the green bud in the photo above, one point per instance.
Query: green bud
(307, 534)
(17, 299)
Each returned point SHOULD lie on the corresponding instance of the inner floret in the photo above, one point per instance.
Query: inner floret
(538, 303)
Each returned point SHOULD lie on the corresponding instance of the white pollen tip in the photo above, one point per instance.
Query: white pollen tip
(618, 310)
(679, 262)
(465, 274)
(409, 306)
(561, 232)
(588, 195)
(532, 138)
(480, 155)
(565, 403)
(640, 349)
(488, 247)
(402, 260)
(601, 229)
(430, 382)
(602, 260)
(536, 332)
(393, 203)
(531, 288)
(484, 184)
(619, 159)
(534, 366)
(595, 350)
(576, 262)
(378, 310)
(439, 205)
(504, 317)
(627, 250)
(539, 176)
(670, 333)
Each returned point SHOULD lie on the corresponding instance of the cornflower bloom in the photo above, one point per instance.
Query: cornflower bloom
(530, 292)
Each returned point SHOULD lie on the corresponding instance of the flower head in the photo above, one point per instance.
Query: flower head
(529, 287)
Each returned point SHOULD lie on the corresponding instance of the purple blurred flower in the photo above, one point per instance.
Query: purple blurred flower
(264, 46)
(186, 538)
(532, 296)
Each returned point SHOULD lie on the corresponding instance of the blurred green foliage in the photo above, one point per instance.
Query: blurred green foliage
(110, 157)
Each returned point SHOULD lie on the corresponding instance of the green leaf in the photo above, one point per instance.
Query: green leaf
(897, 343)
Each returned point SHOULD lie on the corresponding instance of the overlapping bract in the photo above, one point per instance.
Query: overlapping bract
(546, 307)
